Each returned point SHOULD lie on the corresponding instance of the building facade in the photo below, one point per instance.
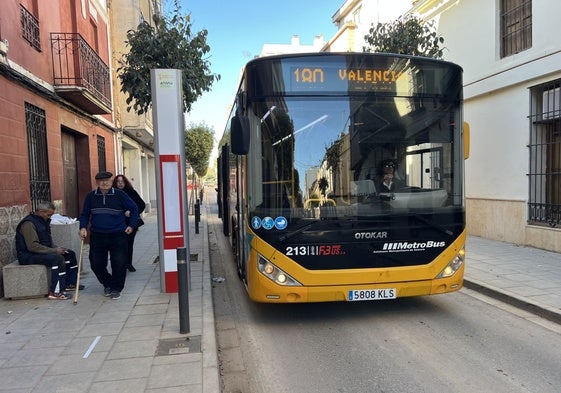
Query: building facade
(354, 18)
(294, 47)
(135, 142)
(56, 107)
(63, 117)
(512, 101)
(512, 80)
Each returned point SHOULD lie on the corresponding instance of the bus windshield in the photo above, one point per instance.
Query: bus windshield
(354, 156)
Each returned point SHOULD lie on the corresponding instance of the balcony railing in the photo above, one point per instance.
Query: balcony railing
(30, 28)
(80, 75)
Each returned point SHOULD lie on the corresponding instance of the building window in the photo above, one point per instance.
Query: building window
(101, 159)
(544, 206)
(516, 26)
(30, 28)
(36, 127)
(356, 16)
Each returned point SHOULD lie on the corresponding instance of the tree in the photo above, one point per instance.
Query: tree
(169, 43)
(333, 155)
(408, 36)
(199, 140)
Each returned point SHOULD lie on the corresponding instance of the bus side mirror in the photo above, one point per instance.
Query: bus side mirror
(239, 135)
(466, 140)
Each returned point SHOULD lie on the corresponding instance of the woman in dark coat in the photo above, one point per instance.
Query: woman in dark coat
(122, 183)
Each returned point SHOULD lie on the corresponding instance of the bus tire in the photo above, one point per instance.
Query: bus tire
(237, 250)
(234, 238)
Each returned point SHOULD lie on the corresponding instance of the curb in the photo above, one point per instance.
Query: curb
(536, 308)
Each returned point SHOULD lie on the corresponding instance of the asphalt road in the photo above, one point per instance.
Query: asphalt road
(459, 342)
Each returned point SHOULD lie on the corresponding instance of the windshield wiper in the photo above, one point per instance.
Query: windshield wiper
(439, 228)
(297, 231)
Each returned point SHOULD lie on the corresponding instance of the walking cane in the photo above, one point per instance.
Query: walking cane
(79, 272)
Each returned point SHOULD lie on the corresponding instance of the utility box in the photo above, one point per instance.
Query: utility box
(67, 236)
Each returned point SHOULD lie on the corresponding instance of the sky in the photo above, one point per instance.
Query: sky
(237, 31)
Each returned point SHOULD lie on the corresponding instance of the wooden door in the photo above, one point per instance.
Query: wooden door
(70, 204)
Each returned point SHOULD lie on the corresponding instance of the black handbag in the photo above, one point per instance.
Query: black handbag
(139, 223)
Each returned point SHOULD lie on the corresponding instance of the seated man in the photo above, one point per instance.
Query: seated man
(34, 246)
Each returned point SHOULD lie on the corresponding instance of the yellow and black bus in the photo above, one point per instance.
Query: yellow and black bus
(344, 177)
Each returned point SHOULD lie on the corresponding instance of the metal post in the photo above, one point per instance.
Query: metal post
(183, 290)
(197, 215)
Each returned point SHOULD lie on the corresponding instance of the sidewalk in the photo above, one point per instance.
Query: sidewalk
(128, 345)
(133, 344)
(525, 277)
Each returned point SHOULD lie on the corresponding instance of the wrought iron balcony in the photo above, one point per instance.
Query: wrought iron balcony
(30, 28)
(80, 75)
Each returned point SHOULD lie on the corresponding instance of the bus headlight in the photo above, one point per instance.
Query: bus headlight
(274, 273)
(454, 265)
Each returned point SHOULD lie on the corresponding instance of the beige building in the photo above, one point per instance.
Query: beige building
(135, 149)
(354, 18)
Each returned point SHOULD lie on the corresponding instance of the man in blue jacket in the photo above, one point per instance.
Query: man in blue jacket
(104, 211)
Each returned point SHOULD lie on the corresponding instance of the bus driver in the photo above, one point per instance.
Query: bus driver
(388, 180)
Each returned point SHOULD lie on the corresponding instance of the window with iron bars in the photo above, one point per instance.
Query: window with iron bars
(30, 28)
(516, 26)
(39, 178)
(101, 160)
(544, 206)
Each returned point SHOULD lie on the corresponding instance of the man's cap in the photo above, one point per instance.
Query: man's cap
(103, 175)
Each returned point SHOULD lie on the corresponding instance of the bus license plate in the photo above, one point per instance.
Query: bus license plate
(357, 295)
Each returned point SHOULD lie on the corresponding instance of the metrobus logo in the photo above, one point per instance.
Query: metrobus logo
(411, 246)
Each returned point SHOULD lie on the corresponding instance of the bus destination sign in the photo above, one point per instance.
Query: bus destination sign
(337, 79)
